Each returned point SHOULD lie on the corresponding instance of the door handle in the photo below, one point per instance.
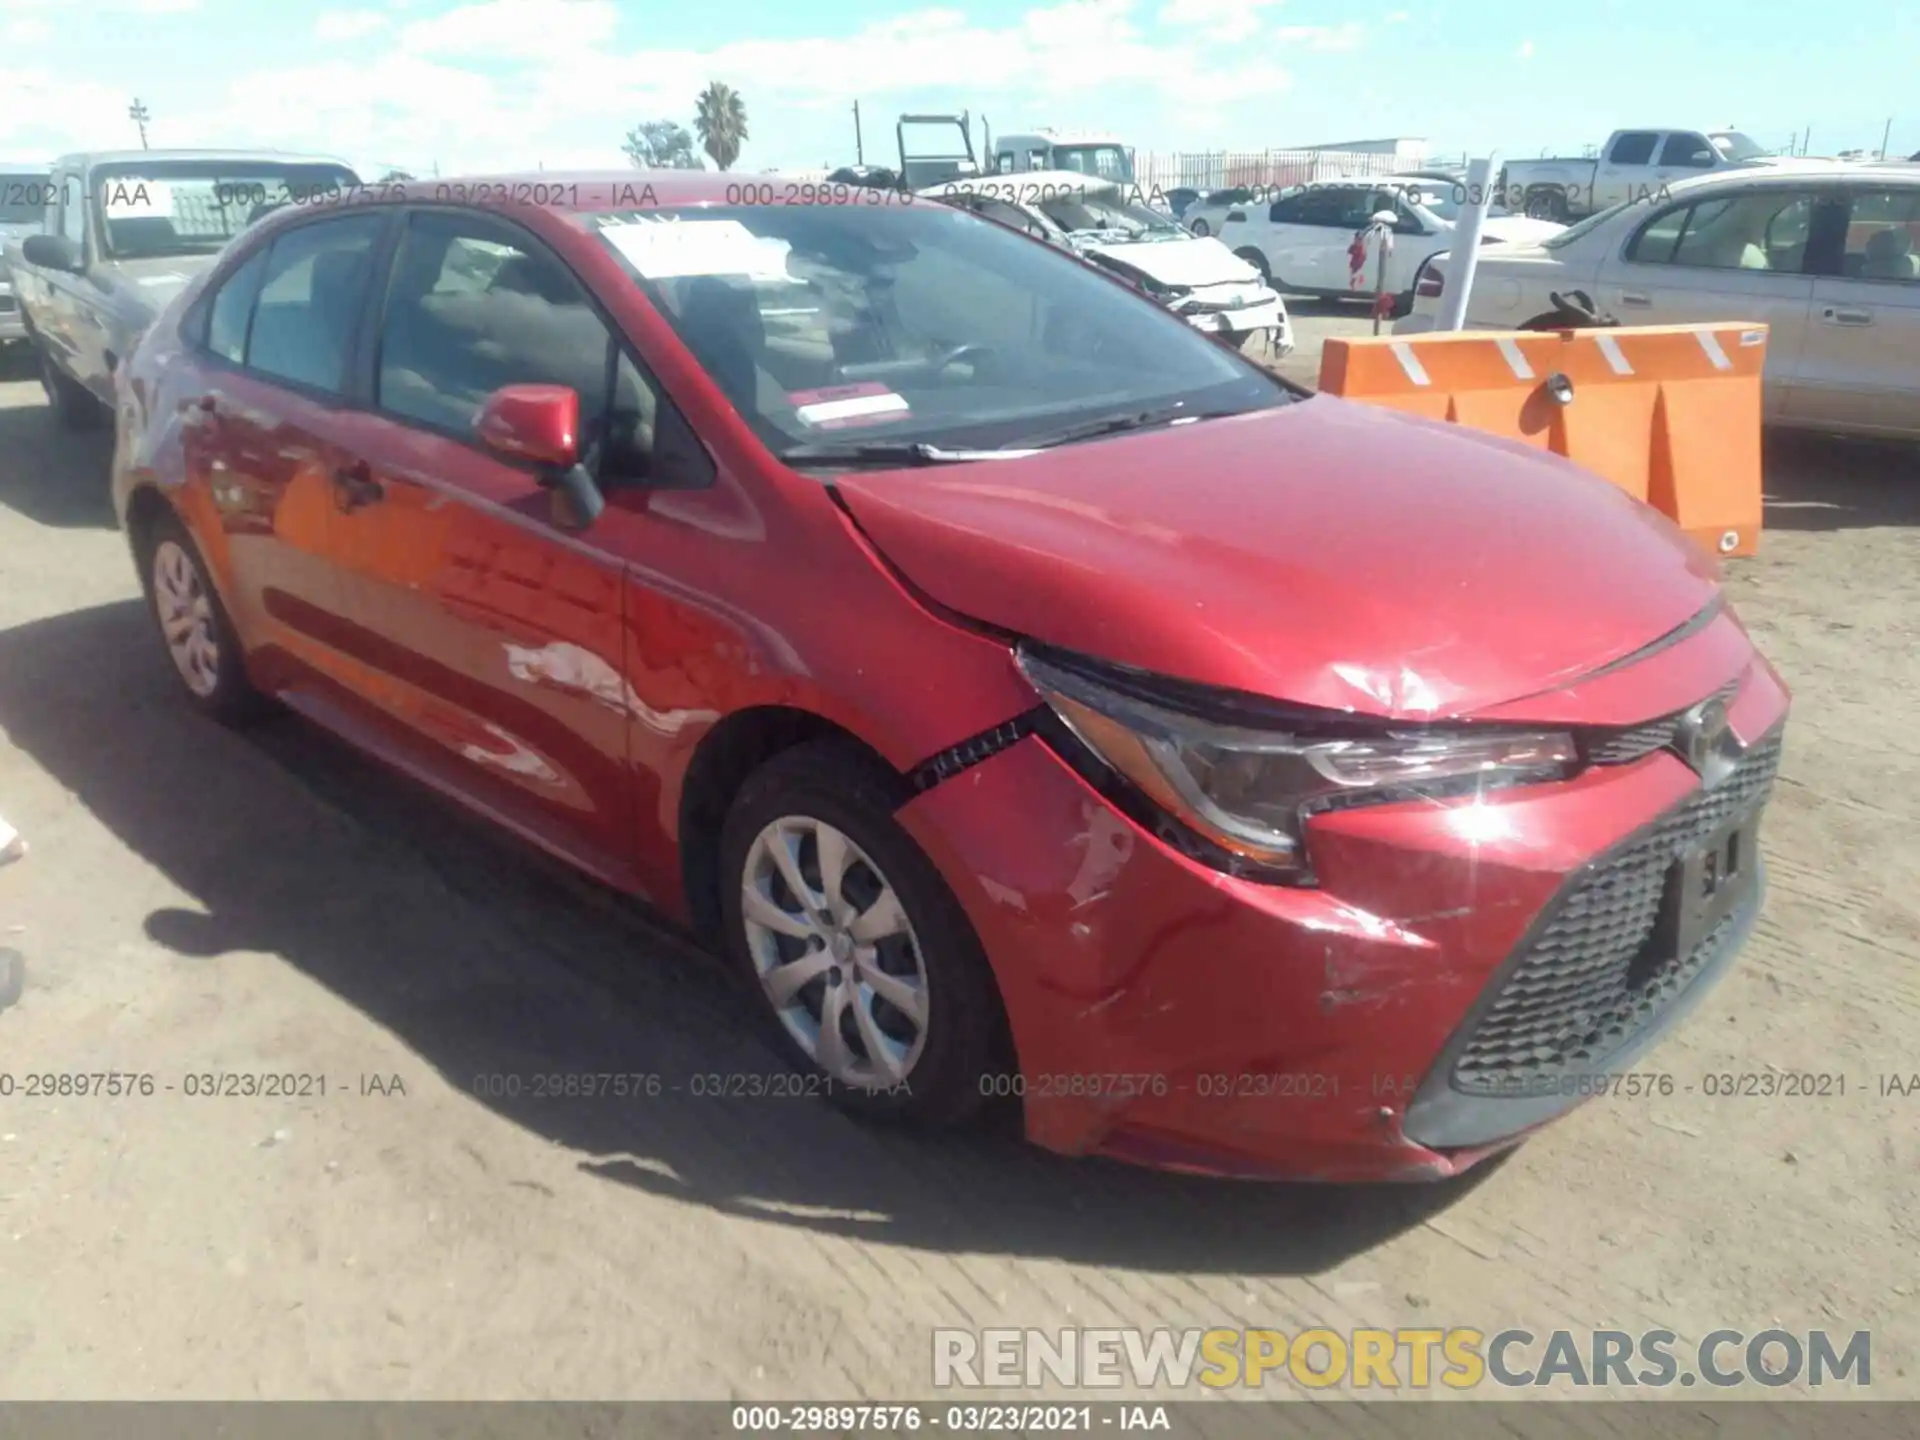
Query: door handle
(1634, 297)
(1833, 315)
(354, 486)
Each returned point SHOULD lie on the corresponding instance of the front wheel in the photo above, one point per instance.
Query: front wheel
(1254, 258)
(1201, 228)
(868, 969)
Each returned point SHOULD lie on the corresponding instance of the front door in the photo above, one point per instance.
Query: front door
(1735, 256)
(494, 639)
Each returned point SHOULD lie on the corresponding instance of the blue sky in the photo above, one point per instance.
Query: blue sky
(509, 84)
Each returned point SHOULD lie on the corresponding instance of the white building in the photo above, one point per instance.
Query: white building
(1408, 152)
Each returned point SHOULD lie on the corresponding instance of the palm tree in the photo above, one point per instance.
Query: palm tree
(720, 117)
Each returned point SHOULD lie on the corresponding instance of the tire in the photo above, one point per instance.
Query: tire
(1201, 228)
(74, 406)
(1402, 306)
(1547, 204)
(174, 577)
(1259, 262)
(946, 1059)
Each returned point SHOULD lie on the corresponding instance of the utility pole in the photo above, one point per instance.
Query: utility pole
(1886, 135)
(139, 114)
(859, 145)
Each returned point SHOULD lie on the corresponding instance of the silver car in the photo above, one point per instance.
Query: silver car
(1828, 257)
(23, 207)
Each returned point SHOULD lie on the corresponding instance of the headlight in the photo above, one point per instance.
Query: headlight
(1247, 790)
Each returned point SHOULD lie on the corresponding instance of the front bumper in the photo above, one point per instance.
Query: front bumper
(1267, 315)
(1167, 1014)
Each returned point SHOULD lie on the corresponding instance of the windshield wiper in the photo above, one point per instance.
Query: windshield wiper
(890, 452)
(1114, 424)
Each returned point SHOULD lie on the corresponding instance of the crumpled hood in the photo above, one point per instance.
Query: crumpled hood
(1326, 553)
(1189, 264)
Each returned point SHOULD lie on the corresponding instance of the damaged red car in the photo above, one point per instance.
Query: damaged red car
(1030, 698)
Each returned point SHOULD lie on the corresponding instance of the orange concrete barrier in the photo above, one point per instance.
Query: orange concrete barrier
(1669, 413)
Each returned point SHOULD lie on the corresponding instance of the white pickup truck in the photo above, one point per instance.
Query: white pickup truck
(1633, 165)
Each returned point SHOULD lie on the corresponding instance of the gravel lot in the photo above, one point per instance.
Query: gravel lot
(200, 901)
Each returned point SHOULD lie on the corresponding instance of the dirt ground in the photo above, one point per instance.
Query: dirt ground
(201, 901)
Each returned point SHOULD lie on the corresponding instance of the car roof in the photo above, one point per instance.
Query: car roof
(16, 166)
(1799, 172)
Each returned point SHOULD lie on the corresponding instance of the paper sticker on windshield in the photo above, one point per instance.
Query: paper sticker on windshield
(124, 199)
(672, 249)
(841, 406)
(1752, 337)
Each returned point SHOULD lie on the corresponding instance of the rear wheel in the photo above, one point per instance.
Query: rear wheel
(73, 404)
(194, 625)
(1201, 228)
(1547, 203)
(866, 966)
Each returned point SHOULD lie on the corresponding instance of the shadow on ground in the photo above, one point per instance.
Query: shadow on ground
(486, 960)
(52, 476)
(1818, 482)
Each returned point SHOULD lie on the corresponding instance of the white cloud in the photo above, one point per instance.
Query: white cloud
(1398, 17)
(347, 24)
(1224, 21)
(559, 30)
(1525, 52)
(1348, 36)
(162, 7)
(24, 31)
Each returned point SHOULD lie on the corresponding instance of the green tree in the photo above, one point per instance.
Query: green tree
(721, 120)
(661, 145)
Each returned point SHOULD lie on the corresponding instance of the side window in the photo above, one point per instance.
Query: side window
(50, 222)
(1757, 230)
(1290, 211)
(473, 307)
(232, 308)
(1883, 236)
(1687, 152)
(1633, 148)
(73, 210)
(311, 291)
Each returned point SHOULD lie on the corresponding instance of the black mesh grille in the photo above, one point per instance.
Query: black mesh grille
(1584, 988)
(1619, 747)
(968, 753)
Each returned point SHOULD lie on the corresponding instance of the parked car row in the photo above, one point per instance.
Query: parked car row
(1828, 257)
(1200, 280)
(1027, 695)
(1301, 240)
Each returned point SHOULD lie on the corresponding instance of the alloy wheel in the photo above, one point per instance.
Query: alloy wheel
(181, 601)
(836, 955)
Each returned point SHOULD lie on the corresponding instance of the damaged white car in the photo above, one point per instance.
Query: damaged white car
(1109, 224)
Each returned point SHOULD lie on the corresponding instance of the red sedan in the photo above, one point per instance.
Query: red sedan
(1029, 696)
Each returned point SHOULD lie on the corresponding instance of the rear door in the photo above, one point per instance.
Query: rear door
(1305, 236)
(495, 640)
(275, 337)
(1737, 254)
(1860, 370)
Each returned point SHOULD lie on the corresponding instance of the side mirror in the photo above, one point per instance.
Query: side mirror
(540, 425)
(51, 252)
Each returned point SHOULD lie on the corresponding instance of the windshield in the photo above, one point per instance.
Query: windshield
(23, 197)
(1587, 226)
(843, 324)
(193, 207)
(1096, 211)
(1109, 162)
(1735, 146)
